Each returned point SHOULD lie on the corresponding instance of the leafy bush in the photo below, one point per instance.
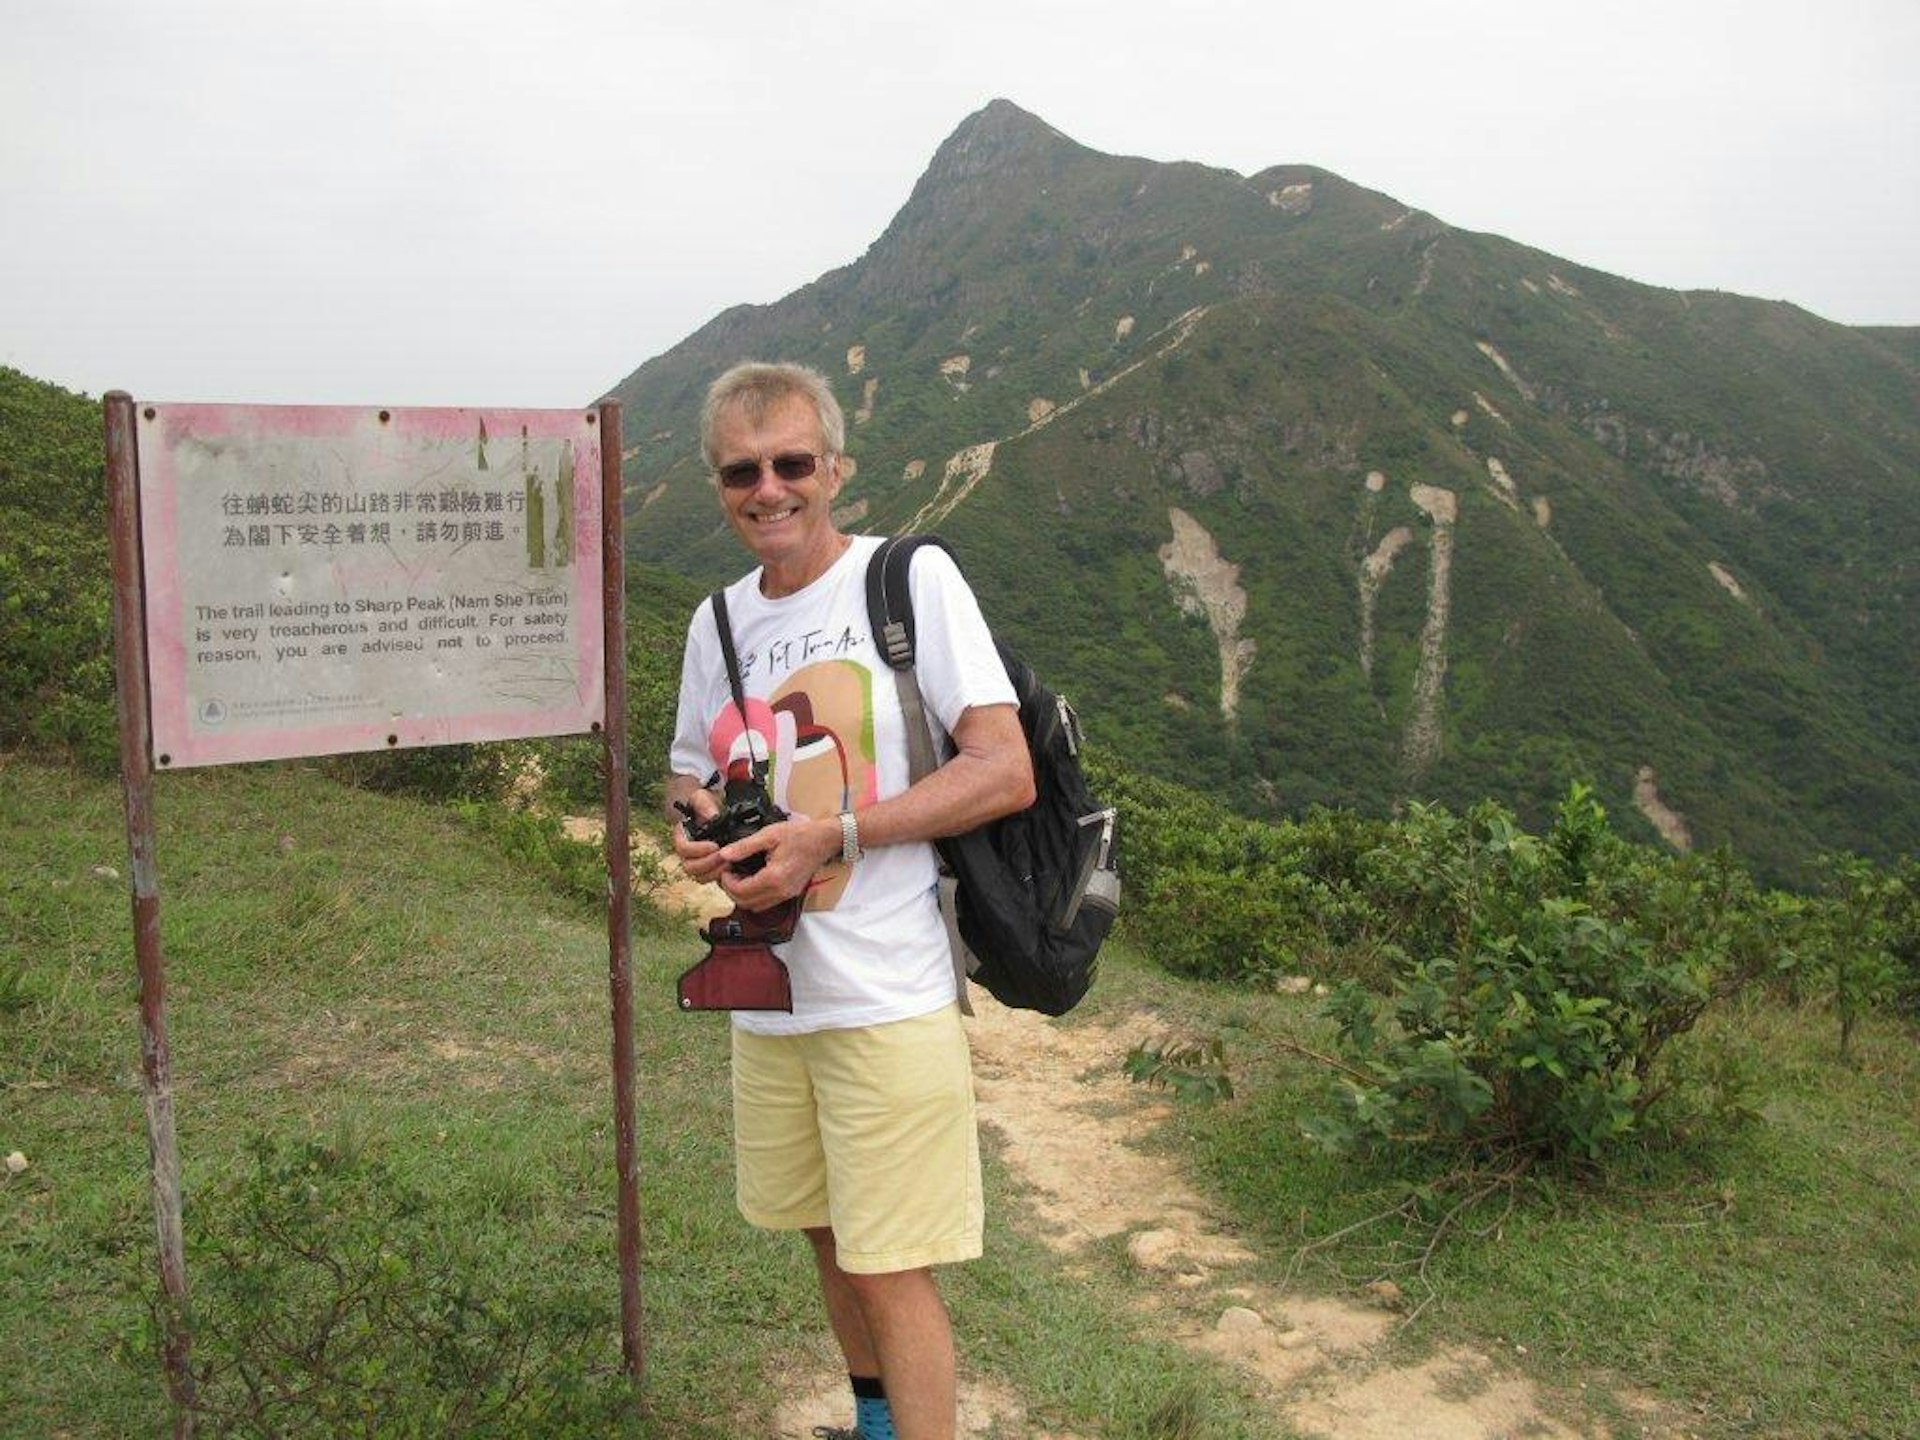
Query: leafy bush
(332, 1297)
(538, 843)
(1218, 925)
(1220, 897)
(1194, 1068)
(1848, 938)
(1903, 938)
(56, 637)
(1536, 982)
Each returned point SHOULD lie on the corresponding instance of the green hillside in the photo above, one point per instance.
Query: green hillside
(1675, 552)
(56, 638)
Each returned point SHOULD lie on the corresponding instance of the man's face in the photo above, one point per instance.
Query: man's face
(787, 524)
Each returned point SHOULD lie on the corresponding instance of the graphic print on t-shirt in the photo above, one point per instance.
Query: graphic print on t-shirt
(817, 729)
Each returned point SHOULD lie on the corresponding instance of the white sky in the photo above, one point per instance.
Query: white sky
(424, 202)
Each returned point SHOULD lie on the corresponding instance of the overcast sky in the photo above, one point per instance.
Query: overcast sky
(423, 202)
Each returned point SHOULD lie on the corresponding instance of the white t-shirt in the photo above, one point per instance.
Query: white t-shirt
(870, 946)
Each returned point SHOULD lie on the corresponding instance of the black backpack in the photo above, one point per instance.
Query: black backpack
(1035, 892)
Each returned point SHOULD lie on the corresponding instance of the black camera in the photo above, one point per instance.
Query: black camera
(745, 808)
(740, 971)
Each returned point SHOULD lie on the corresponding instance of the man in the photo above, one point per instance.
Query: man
(853, 1115)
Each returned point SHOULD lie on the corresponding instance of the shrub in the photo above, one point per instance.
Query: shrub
(56, 640)
(1848, 939)
(332, 1297)
(1216, 925)
(1903, 938)
(539, 844)
(1194, 1068)
(1220, 897)
(1535, 983)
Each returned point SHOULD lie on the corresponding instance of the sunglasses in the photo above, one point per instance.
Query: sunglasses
(744, 474)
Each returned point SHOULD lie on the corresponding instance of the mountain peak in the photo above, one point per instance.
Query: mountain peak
(995, 152)
(995, 139)
(1001, 117)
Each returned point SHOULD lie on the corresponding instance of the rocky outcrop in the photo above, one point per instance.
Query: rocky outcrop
(1207, 585)
(1420, 745)
(1647, 800)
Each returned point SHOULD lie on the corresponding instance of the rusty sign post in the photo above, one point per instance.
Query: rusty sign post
(313, 580)
(613, 581)
(136, 774)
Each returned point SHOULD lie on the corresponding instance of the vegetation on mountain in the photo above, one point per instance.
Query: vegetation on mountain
(56, 595)
(1499, 990)
(1674, 558)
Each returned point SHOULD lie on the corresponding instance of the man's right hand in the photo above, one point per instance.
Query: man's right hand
(699, 858)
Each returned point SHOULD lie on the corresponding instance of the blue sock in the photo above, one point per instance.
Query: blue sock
(873, 1417)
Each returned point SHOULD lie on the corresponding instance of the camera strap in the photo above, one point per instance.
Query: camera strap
(740, 970)
(724, 624)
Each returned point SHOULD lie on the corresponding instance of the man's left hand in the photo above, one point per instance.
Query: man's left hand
(795, 850)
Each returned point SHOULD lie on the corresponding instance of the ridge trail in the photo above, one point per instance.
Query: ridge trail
(1071, 1127)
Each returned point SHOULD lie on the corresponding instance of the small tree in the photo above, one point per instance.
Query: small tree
(1848, 939)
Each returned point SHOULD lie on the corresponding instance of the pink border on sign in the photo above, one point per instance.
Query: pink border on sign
(161, 427)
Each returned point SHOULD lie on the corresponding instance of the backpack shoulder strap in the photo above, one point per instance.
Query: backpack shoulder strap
(723, 624)
(890, 613)
(890, 600)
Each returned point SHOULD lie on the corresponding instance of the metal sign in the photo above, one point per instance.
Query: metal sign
(323, 579)
(300, 580)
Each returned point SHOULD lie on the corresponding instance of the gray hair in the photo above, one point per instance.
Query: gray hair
(757, 387)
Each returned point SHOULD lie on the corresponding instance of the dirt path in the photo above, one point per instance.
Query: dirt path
(1070, 1126)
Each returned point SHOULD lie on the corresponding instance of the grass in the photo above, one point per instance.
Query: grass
(1761, 1279)
(372, 974)
(375, 974)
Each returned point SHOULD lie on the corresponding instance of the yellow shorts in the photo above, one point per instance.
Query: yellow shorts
(870, 1131)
